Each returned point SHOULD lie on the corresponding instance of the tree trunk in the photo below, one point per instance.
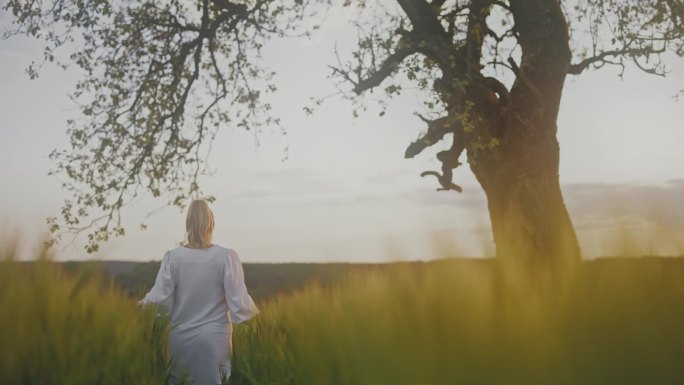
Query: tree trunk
(519, 172)
(530, 223)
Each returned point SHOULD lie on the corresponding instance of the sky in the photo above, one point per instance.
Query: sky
(345, 192)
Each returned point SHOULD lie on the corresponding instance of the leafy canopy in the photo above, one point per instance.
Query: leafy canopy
(162, 76)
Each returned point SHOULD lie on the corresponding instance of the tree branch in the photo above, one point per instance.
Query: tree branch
(436, 130)
(386, 69)
(477, 29)
(437, 3)
(446, 183)
(578, 68)
(449, 159)
(423, 17)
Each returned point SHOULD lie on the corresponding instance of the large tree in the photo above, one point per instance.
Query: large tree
(494, 72)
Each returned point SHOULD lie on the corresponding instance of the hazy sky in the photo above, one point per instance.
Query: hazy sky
(345, 193)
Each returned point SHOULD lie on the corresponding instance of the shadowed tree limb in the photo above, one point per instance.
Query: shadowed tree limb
(437, 4)
(423, 17)
(443, 180)
(437, 129)
(602, 58)
(477, 30)
(388, 67)
(435, 132)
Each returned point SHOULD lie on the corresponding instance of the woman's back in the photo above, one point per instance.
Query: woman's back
(200, 295)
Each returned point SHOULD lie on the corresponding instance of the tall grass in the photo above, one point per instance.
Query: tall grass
(471, 322)
(618, 321)
(73, 329)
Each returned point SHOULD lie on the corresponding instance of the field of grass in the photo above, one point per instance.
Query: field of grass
(74, 328)
(618, 321)
(611, 321)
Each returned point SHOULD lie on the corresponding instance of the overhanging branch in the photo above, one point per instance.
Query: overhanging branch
(449, 159)
(386, 69)
(436, 130)
(578, 68)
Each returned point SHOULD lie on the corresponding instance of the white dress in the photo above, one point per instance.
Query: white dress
(200, 287)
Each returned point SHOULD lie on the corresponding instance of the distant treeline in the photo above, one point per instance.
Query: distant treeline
(264, 280)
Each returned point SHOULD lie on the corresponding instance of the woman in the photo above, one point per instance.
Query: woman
(200, 283)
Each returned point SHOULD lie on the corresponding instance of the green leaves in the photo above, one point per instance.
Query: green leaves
(626, 32)
(160, 80)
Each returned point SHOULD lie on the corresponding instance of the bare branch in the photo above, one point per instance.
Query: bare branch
(437, 3)
(446, 183)
(386, 69)
(449, 159)
(436, 130)
(578, 68)
(477, 29)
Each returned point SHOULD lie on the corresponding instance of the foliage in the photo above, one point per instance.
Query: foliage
(626, 31)
(449, 49)
(74, 328)
(160, 78)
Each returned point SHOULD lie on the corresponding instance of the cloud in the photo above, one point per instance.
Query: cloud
(288, 185)
(590, 204)
(601, 205)
(304, 187)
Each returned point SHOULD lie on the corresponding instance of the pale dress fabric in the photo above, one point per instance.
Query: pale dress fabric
(204, 290)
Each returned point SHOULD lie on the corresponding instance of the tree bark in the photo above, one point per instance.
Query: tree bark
(519, 174)
(530, 223)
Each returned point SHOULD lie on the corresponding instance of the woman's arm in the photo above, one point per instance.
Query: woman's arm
(162, 291)
(240, 304)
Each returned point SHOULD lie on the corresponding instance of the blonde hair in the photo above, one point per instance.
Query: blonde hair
(199, 224)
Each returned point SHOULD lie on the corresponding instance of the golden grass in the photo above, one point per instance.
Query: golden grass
(468, 322)
(57, 328)
(617, 321)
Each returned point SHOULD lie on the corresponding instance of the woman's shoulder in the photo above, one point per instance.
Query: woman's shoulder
(228, 253)
(215, 251)
(174, 250)
(180, 252)
(182, 248)
(221, 251)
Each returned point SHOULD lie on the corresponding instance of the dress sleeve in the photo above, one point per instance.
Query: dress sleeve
(162, 291)
(240, 304)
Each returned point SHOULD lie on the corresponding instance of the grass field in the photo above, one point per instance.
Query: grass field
(64, 328)
(611, 321)
(618, 321)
